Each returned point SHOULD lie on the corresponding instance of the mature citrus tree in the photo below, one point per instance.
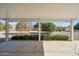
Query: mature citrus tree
(48, 27)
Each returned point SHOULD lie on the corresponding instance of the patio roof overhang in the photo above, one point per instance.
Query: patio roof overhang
(36, 12)
(44, 11)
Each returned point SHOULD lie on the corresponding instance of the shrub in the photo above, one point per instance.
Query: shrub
(33, 37)
(1, 26)
(17, 37)
(25, 37)
(43, 37)
(59, 37)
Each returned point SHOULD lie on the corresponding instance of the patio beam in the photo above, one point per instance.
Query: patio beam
(71, 30)
(7, 30)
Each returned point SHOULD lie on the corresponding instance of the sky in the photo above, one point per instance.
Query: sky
(33, 23)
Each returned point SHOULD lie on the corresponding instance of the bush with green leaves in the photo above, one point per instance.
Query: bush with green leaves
(25, 37)
(59, 37)
(76, 27)
(43, 37)
(1, 26)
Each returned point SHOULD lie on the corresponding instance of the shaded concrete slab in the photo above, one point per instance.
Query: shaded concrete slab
(30, 48)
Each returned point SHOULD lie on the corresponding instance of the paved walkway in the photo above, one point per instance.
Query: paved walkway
(36, 48)
(58, 48)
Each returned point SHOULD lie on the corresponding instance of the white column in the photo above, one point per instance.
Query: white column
(71, 30)
(7, 30)
(39, 25)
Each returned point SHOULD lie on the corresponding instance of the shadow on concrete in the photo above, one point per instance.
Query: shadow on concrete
(2, 40)
(22, 48)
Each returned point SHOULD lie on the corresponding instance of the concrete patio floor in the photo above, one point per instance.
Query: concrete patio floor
(36, 48)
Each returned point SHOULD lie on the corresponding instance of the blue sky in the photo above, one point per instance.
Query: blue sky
(32, 23)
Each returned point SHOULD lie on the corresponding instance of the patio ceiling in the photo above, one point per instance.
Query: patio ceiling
(43, 11)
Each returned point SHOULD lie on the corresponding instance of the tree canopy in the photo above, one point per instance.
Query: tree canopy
(76, 27)
(1, 26)
(21, 26)
(49, 27)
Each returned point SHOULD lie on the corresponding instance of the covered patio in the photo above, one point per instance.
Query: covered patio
(40, 13)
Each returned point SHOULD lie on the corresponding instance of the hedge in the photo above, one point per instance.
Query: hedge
(25, 37)
(43, 37)
(59, 37)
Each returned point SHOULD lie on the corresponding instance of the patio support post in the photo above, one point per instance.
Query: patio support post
(39, 25)
(71, 30)
(7, 30)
